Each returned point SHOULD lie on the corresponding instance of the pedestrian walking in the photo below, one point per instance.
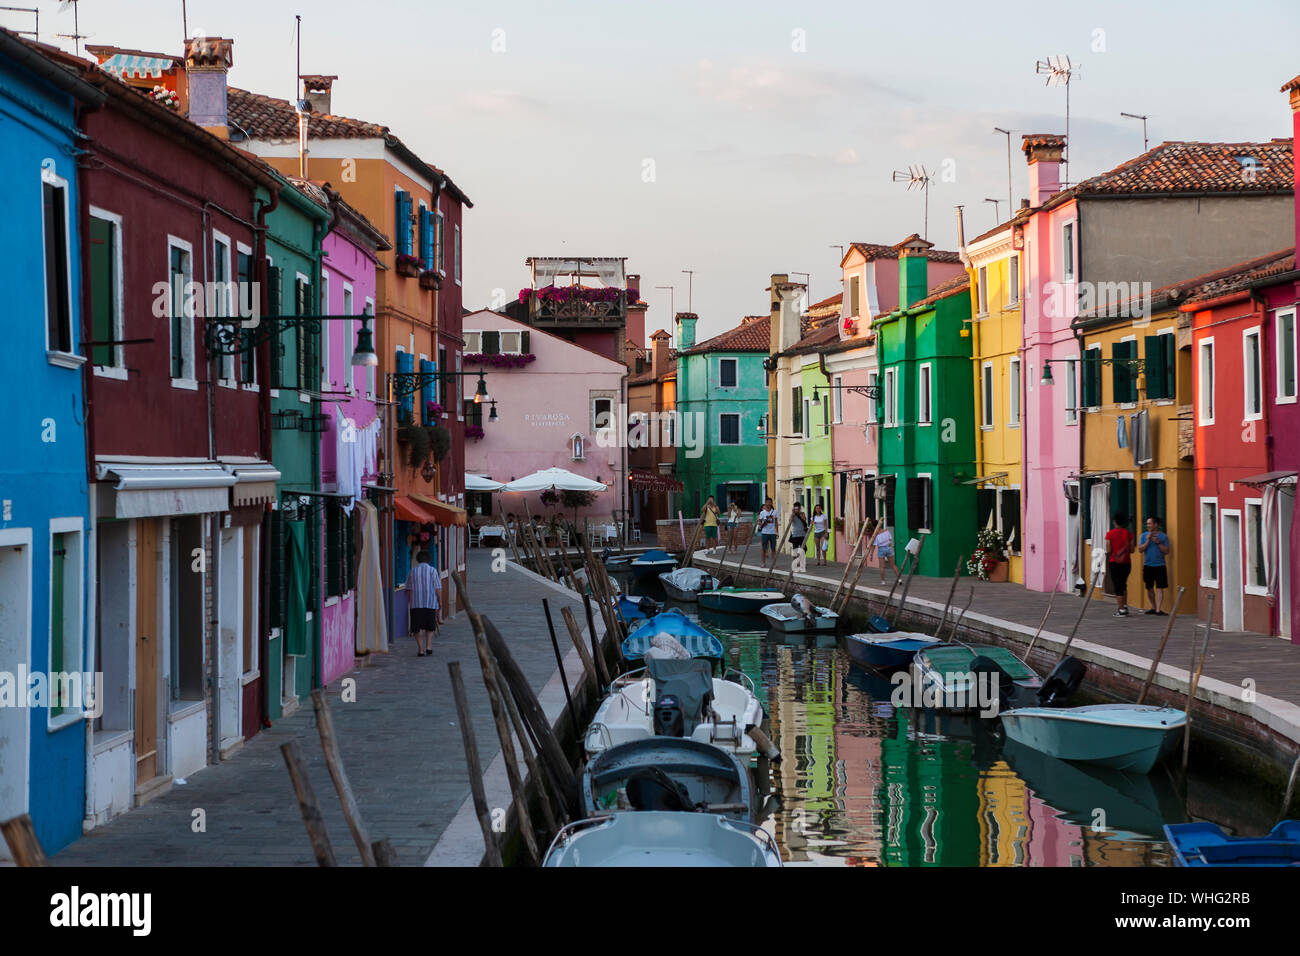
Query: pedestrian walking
(1120, 544)
(798, 528)
(1154, 544)
(883, 542)
(711, 516)
(765, 521)
(422, 586)
(733, 522)
(821, 533)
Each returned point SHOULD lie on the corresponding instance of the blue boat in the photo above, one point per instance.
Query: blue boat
(887, 651)
(1130, 737)
(652, 562)
(1204, 844)
(637, 609)
(696, 640)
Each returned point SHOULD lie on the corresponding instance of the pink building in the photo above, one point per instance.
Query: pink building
(350, 446)
(550, 395)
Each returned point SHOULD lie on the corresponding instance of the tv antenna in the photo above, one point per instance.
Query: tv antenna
(76, 36)
(996, 203)
(1143, 117)
(1059, 72)
(35, 32)
(917, 177)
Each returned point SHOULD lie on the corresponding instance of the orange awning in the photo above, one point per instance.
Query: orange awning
(442, 512)
(408, 510)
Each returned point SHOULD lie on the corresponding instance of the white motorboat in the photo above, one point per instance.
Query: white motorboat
(663, 838)
(685, 584)
(799, 614)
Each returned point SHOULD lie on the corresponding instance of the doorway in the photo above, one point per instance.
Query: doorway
(148, 644)
(230, 645)
(1231, 572)
(1286, 514)
(15, 656)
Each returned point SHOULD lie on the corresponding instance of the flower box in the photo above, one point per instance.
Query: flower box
(409, 266)
(508, 360)
(430, 279)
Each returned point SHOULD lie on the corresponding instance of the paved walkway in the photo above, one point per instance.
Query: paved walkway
(1271, 662)
(401, 748)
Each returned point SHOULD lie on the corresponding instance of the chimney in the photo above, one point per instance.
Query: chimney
(207, 61)
(316, 91)
(1293, 88)
(659, 352)
(1043, 153)
(685, 329)
(633, 289)
(913, 266)
(786, 329)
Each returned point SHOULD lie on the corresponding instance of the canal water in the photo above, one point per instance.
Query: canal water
(862, 783)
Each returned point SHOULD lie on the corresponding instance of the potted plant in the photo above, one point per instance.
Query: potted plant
(433, 413)
(408, 265)
(430, 279)
(474, 431)
(989, 560)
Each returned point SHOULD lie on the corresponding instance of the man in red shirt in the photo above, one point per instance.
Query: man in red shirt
(1120, 544)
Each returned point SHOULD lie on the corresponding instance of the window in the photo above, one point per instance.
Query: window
(796, 410)
(578, 449)
(983, 290)
(473, 343)
(1071, 367)
(891, 397)
(222, 299)
(1123, 500)
(1286, 357)
(305, 341)
(1209, 543)
(340, 563)
(1013, 280)
(924, 411)
(1256, 575)
(456, 253)
(104, 253)
(854, 287)
(180, 275)
(350, 342)
(442, 387)
(185, 606)
(807, 418)
(1123, 377)
(837, 397)
(1160, 365)
(66, 588)
(1205, 386)
(472, 412)
(602, 413)
(438, 232)
(1013, 395)
(511, 343)
(919, 503)
(247, 306)
(1254, 374)
(58, 265)
(1092, 377)
(326, 381)
(826, 415)
(1067, 252)
(1009, 517)
(729, 429)
(402, 218)
(426, 235)
(1154, 502)
(873, 384)
(986, 395)
(727, 373)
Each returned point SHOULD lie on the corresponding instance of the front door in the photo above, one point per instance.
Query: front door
(15, 657)
(1232, 580)
(147, 641)
(230, 628)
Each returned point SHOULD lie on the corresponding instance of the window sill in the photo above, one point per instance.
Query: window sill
(105, 740)
(1209, 582)
(248, 678)
(229, 383)
(304, 398)
(181, 709)
(1282, 401)
(250, 387)
(1256, 591)
(64, 359)
(55, 724)
(275, 393)
(188, 384)
(987, 428)
(111, 371)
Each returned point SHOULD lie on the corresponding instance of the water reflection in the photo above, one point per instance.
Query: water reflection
(864, 784)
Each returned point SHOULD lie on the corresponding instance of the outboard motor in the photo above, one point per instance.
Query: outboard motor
(647, 606)
(668, 717)
(1005, 684)
(804, 607)
(1063, 681)
(652, 789)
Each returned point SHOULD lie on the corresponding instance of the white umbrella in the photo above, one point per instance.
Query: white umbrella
(482, 483)
(556, 478)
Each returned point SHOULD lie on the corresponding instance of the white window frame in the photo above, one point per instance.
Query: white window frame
(1246, 371)
(350, 308)
(925, 394)
(873, 381)
(1070, 275)
(739, 438)
(601, 398)
(1249, 545)
(1071, 391)
(519, 339)
(74, 616)
(837, 397)
(988, 405)
(982, 292)
(891, 397)
(223, 254)
(807, 418)
(302, 277)
(1013, 392)
(1280, 397)
(242, 248)
(439, 258)
(456, 253)
(326, 356)
(735, 365)
(118, 369)
(72, 358)
(1013, 283)
(1205, 580)
(1205, 405)
(929, 499)
(189, 382)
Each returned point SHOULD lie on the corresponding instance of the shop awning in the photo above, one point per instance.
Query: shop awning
(443, 513)
(649, 481)
(255, 482)
(166, 488)
(482, 483)
(125, 65)
(408, 510)
(1269, 478)
(986, 479)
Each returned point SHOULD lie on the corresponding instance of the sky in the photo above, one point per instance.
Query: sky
(737, 139)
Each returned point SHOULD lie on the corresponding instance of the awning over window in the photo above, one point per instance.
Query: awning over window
(1269, 478)
(443, 513)
(408, 510)
(160, 489)
(649, 481)
(124, 65)
(255, 482)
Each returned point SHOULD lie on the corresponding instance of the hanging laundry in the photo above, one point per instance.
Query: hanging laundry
(1140, 427)
(1121, 433)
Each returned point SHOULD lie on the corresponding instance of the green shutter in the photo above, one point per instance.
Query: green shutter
(103, 288)
(491, 342)
(275, 303)
(1091, 378)
(524, 341)
(1155, 366)
(1170, 353)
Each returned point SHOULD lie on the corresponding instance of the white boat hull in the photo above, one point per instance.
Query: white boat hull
(627, 714)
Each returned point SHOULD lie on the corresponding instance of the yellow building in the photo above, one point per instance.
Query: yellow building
(993, 261)
(1137, 359)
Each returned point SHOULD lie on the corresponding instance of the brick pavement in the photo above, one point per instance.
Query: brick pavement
(400, 743)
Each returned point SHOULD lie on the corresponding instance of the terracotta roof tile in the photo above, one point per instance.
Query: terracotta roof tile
(1292, 84)
(648, 376)
(953, 286)
(815, 340)
(1237, 277)
(1174, 167)
(754, 334)
(826, 303)
(873, 250)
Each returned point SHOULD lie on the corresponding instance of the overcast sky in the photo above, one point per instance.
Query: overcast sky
(737, 139)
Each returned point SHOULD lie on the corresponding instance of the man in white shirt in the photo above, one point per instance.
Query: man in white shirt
(766, 520)
(422, 586)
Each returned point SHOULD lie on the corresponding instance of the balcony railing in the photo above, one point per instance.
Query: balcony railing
(577, 311)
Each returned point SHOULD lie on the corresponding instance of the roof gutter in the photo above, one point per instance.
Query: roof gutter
(1230, 299)
(22, 53)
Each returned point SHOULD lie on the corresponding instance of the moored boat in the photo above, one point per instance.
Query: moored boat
(685, 584)
(972, 677)
(637, 609)
(652, 562)
(799, 614)
(667, 773)
(662, 838)
(697, 641)
(1204, 844)
(1132, 737)
(739, 600)
(887, 651)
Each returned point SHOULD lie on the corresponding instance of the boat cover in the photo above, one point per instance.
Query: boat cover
(956, 659)
(688, 579)
(690, 681)
(654, 554)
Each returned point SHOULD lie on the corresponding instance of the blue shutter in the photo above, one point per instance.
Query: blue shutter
(426, 237)
(403, 230)
(427, 393)
(406, 363)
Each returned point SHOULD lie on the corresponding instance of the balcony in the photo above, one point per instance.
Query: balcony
(576, 305)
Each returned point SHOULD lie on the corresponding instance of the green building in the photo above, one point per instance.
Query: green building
(808, 461)
(295, 231)
(927, 415)
(721, 400)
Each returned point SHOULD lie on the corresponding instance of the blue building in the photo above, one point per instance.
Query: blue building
(45, 569)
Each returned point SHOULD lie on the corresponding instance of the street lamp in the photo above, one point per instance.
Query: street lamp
(227, 335)
(492, 413)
